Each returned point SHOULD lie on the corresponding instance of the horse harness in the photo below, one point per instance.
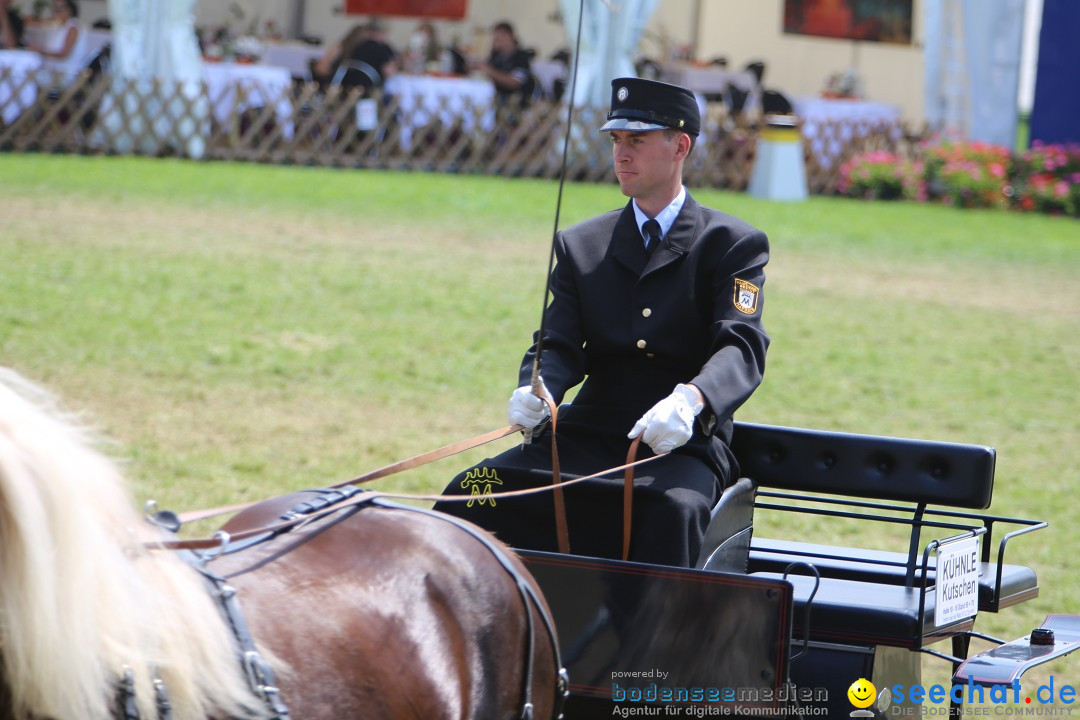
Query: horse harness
(258, 672)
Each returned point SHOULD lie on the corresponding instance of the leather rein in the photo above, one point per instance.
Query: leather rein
(220, 539)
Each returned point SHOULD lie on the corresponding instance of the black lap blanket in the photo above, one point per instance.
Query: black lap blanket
(673, 495)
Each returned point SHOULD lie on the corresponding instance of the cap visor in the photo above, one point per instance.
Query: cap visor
(624, 124)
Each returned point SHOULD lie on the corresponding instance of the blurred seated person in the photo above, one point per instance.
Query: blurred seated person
(67, 45)
(364, 43)
(424, 51)
(459, 63)
(508, 66)
(11, 26)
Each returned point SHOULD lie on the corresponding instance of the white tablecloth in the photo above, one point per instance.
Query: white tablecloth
(425, 99)
(710, 80)
(547, 72)
(41, 35)
(18, 86)
(237, 87)
(816, 108)
(852, 116)
(292, 55)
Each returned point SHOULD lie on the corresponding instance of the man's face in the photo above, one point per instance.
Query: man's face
(502, 41)
(646, 162)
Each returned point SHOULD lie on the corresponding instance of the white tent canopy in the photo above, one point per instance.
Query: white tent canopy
(610, 33)
(154, 44)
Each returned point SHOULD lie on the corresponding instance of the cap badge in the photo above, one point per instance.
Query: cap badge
(622, 94)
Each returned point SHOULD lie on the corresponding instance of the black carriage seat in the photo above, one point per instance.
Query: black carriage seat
(864, 613)
(1017, 583)
(874, 596)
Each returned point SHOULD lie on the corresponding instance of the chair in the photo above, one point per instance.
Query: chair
(356, 73)
(774, 102)
(648, 69)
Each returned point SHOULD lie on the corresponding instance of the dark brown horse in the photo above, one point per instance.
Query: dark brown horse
(370, 611)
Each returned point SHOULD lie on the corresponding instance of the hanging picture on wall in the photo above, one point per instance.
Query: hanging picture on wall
(442, 9)
(873, 20)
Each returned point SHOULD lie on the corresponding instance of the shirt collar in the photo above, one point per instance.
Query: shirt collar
(665, 217)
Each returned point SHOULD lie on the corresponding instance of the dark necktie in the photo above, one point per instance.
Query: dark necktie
(651, 229)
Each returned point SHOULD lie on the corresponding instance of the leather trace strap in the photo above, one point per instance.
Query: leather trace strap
(562, 534)
(628, 496)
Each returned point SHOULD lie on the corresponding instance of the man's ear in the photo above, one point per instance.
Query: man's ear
(682, 148)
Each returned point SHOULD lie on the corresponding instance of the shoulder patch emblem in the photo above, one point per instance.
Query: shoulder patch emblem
(746, 296)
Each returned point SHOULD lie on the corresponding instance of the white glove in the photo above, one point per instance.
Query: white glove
(670, 422)
(526, 409)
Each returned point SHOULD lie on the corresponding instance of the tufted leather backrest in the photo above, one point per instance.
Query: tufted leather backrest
(865, 466)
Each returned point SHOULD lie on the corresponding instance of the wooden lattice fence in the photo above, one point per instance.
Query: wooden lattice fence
(95, 113)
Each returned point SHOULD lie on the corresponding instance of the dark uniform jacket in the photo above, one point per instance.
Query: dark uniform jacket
(632, 327)
(637, 325)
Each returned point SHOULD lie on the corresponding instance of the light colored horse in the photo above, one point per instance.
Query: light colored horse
(377, 613)
(80, 596)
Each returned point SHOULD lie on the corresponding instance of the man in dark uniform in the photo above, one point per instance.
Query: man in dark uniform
(657, 307)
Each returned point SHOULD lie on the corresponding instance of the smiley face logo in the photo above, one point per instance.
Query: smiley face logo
(862, 693)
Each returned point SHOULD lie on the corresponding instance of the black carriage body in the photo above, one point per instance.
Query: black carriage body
(799, 619)
(635, 635)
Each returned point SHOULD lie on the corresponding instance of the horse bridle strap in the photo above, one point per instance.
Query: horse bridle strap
(126, 706)
(259, 674)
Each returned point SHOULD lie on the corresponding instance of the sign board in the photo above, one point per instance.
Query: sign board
(874, 20)
(957, 587)
(447, 9)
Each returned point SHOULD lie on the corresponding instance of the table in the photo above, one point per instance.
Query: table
(852, 117)
(292, 55)
(96, 40)
(425, 98)
(820, 109)
(547, 72)
(237, 87)
(708, 79)
(18, 85)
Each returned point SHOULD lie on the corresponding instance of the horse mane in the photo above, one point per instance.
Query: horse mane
(80, 595)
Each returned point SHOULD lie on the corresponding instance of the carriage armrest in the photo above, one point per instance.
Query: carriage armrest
(726, 545)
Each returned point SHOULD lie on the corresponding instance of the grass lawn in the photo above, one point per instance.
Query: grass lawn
(244, 330)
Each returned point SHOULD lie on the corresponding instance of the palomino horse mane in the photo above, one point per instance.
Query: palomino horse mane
(80, 596)
(388, 612)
